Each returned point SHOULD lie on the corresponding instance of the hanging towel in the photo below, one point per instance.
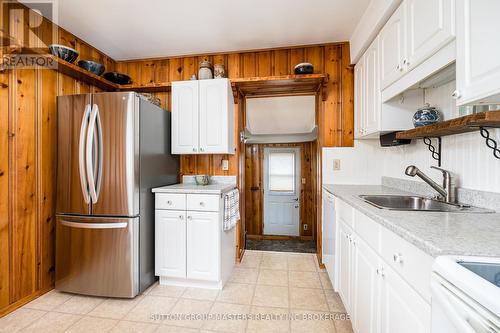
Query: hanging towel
(231, 209)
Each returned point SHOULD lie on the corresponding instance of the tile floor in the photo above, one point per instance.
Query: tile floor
(268, 285)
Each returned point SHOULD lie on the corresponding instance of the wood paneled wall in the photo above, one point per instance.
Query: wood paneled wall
(254, 189)
(336, 119)
(28, 153)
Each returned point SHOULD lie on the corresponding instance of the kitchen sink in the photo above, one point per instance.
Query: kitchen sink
(416, 203)
(488, 271)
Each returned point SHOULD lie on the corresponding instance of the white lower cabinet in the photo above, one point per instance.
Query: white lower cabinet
(202, 235)
(191, 247)
(377, 298)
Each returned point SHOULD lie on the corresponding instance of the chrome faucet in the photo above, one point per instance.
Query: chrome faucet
(446, 191)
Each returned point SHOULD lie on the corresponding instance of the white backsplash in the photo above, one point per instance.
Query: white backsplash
(466, 155)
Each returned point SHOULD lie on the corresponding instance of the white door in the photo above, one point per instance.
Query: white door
(359, 99)
(392, 47)
(170, 243)
(281, 191)
(372, 89)
(185, 117)
(402, 309)
(215, 120)
(478, 51)
(430, 26)
(202, 234)
(344, 258)
(366, 287)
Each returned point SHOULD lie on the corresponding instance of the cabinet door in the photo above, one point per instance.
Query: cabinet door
(203, 245)
(430, 26)
(392, 47)
(216, 121)
(344, 257)
(402, 309)
(478, 52)
(170, 243)
(372, 89)
(359, 99)
(185, 122)
(366, 288)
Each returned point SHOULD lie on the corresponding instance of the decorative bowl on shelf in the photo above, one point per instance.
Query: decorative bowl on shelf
(426, 115)
(202, 179)
(304, 68)
(65, 53)
(91, 66)
(118, 78)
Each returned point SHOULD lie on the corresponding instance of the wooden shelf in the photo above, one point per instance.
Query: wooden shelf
(280, 85)
(154, 87)
(454, 126)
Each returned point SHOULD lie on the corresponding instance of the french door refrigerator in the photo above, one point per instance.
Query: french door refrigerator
(112, 149)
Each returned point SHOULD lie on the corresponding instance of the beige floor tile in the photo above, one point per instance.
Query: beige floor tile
(304, 279)
(124, 326)
(299, 262)
(334, 302)
(78, 304)
(227, 324)
(149, 307)
(238, 293)
(200, 294)
(271, 296)
(53, 322)
(325, 281)
(312, 322)
(254, 253)
(269, 321)
(175, 329)
(277, 261)
(92, 325)
(115, 308)
(244, 275)
(250, 261)
(49, 301)
(273, 277)
(343, 326)
(189, 307)
(308, 299)
(170, 291)
(18, 319)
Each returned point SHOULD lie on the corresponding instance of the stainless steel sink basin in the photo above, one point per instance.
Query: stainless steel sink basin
(416, 203)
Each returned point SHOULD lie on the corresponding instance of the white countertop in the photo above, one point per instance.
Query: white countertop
(197, 189)
(433, 232)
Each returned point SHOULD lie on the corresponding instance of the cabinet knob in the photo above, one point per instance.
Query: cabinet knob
(456, 94)
(194, 149)
(190, 217)
(202, 203)
(202, 149)
(169, 202)
(380, 271)
(181, 217)
(398, 67)
(398, 257)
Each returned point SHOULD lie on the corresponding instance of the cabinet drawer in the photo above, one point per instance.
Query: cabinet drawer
(203, 202)
(411, 263)
(170, 201)
(368, 230)
(344, 212)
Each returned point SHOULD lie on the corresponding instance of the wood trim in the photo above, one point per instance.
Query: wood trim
(16, 305)
(273, 237)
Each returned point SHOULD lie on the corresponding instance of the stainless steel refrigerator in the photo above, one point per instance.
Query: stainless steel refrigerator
(112, 149)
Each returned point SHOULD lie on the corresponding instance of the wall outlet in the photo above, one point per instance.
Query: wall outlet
(225, 165)
(303, 181)
(305, 227)
(336, 164)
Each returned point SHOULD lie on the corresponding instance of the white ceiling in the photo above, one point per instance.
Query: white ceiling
(132, 29)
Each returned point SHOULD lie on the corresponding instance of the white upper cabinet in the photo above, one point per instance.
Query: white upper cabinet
(185, 95)
(359, 100)
(478, 52)
(372, 90)
(392, 47)
(202, 117)
(430, 26)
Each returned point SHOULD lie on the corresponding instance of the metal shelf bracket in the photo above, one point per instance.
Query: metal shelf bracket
(492, 144)
(435, 151)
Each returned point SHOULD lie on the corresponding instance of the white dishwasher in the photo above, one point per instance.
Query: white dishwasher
(328, 234)
(466, 295)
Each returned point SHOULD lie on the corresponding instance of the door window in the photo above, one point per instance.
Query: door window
(282, 171)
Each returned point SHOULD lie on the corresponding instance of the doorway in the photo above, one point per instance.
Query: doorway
(281, 191)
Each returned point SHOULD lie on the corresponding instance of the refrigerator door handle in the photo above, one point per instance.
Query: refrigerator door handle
(99, 153)
(70, 224)
(89, 151)
(81, 154)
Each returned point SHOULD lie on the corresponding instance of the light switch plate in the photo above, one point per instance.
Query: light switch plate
(225, 165)
(303, 181)
(336, 164)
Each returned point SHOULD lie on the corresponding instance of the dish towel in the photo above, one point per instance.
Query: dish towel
(231, 209)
